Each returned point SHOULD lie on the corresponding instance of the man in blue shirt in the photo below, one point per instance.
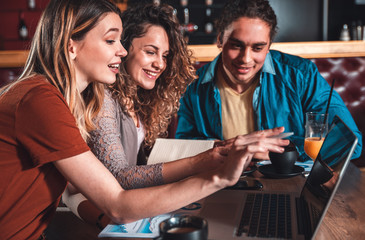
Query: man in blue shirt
(249, 87)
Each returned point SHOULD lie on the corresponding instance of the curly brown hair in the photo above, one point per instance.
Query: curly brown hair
(155, 107)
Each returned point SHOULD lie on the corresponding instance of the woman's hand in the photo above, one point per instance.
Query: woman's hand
(224, 143)
(209, 160)
(243, 149)
(267, 133)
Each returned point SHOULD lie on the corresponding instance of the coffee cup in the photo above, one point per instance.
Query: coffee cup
(183, 227)
(284, 162)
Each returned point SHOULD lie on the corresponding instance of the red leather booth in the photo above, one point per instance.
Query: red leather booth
(349, 73)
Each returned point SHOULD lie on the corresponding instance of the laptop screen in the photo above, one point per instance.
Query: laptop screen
(327, 171)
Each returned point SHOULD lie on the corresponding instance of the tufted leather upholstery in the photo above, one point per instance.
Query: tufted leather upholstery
(350, 84)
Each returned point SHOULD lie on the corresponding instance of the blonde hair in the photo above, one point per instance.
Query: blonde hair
(155, 107)
(61, 21)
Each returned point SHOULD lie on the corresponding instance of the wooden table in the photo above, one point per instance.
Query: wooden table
(345, 218)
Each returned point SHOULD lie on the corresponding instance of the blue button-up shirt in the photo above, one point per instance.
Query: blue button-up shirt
(289, 87)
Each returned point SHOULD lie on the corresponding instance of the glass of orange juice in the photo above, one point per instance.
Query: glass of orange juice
(316, 128)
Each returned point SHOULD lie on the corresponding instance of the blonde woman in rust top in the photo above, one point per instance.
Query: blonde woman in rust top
(46, 114)
(138, 107)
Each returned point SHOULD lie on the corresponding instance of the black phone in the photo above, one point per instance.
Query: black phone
(247, 184)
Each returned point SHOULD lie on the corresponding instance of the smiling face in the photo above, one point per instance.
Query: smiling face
(96, 58)
(147, 56)
(245, 44)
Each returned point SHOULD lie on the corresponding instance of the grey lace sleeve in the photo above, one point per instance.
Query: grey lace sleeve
(106, 143)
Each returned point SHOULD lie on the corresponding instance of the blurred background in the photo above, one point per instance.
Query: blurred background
(299, 20)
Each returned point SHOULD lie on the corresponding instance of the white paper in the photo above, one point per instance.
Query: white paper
(167, 149)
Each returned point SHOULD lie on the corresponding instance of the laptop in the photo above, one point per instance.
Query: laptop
(234, 214)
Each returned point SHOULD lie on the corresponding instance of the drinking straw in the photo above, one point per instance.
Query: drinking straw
(328, 105)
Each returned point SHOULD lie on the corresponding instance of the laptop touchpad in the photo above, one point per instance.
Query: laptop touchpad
(223, 211)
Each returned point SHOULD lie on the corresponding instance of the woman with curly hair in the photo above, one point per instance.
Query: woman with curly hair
(152, 89)
(138, 107)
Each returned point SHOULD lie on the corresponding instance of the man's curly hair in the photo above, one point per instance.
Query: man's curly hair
(235, 9)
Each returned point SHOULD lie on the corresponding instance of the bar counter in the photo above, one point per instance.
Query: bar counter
(204, 53)
(345, 218)
(325, 49)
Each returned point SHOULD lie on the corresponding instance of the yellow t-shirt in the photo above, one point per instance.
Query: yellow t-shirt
(237, 110)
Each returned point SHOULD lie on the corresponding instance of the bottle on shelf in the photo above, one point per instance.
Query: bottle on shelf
(31, 4)
(208, 23)
(208, 2)
(353, 31)
(22, 28)
(186, 16)
(359, 32)
(345, 33)
(184, 3)
(188, 27)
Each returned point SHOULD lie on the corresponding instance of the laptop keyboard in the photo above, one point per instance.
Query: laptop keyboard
(266, 216)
